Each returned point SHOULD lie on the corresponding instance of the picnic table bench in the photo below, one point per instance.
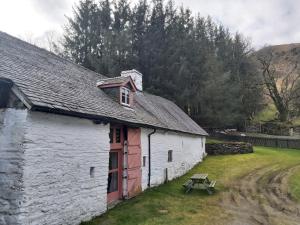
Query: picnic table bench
(200, 181)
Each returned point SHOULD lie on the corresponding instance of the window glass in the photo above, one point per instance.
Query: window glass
(118, 135)
(112, 182)
(127, 96)
(144, 161)
(113, 160)
(125, 99)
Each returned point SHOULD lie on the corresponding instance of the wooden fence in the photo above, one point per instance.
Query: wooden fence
(277, 142)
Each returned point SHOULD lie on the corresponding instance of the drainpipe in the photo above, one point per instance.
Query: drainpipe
(149, 156)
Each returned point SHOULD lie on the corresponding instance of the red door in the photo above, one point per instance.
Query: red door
(134, 171)
(114, 188)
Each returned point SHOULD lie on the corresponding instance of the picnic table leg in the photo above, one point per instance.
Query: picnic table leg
(191, 186)
(209, 191)
(188, 186)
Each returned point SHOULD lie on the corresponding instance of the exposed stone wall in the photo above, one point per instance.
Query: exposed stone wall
(59, 152)
(45, 162)
(227, 148)
(188, 150)
(12, 125)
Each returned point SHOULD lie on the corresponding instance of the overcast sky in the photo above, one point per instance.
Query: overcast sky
(263, 21)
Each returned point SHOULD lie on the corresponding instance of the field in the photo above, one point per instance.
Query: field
(259, 188)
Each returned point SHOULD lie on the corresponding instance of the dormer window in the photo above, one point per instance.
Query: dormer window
(125, 96)
(121, 89)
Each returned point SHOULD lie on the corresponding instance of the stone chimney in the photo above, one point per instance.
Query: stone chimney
(136, 76)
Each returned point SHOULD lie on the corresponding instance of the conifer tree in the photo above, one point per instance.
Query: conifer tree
(190, 60)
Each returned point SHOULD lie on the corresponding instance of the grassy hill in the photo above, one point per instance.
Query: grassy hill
(285, 57)
(283, 54)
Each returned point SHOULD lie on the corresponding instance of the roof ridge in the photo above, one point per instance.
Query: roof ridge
(58, 85)
(111, 78)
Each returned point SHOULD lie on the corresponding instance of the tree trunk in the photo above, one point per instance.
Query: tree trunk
(283, 115)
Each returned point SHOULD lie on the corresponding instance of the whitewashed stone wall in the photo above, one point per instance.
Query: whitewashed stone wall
(58, 153)
(188, 150)
(45, 162)
(11, 165)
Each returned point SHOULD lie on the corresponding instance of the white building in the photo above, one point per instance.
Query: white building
(73, 141)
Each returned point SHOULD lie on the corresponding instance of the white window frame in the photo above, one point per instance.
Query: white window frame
(126, 92)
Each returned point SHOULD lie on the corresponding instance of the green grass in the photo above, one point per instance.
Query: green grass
(296, 122)
(294, 186)
(213, 141)
(269, 113)
(167, 204)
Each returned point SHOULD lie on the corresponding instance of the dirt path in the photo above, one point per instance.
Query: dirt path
(262, 198)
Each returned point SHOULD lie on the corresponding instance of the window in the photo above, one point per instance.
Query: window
(170, 155)
(125, 96)
(118, 135)
(92, 172)
(144, 161)
(113, 173)
(113, 160)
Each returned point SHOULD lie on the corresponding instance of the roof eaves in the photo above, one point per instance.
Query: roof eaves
(22, 97)
(98, 118)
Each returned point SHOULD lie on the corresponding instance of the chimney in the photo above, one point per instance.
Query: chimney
(136, 76)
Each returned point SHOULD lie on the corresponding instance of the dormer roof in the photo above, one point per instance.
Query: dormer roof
(116, 82)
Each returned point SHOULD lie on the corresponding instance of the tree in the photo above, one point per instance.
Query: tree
(80, 35)
(283, 89)
(190, 60)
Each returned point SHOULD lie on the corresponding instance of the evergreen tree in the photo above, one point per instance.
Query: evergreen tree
(80, 37)
(199, 65)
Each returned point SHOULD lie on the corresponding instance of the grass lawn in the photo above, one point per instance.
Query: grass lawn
(267, 114)
(167, 204)
(294, 185)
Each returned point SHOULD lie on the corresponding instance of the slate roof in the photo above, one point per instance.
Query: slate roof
(58, 85)
(113, 80)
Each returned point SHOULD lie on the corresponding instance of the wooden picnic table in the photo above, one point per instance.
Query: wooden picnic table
(200, 178)
(200, 181)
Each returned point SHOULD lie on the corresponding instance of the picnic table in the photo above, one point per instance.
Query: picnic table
(200, 181)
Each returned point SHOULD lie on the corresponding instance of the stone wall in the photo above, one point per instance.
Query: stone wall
(227, 148)
(188, 150)
(59, 154)
(46, 162)
(12, 125)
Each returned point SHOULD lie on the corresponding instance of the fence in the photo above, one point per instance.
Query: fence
(277, 142)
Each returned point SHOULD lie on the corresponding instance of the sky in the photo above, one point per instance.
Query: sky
(263, 22)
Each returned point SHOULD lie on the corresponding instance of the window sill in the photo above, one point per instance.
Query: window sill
(125, 105)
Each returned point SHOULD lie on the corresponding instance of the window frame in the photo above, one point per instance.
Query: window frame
(127, 96)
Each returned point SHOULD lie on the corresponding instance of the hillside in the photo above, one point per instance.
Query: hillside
(285, 58)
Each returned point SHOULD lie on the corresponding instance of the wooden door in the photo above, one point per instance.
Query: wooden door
(134, 179)
(114, 187)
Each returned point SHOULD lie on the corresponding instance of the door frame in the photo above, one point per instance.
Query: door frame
(117, 146)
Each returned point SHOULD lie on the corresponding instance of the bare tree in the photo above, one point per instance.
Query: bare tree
(29, 37)
(50, 40)
(283, 88)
